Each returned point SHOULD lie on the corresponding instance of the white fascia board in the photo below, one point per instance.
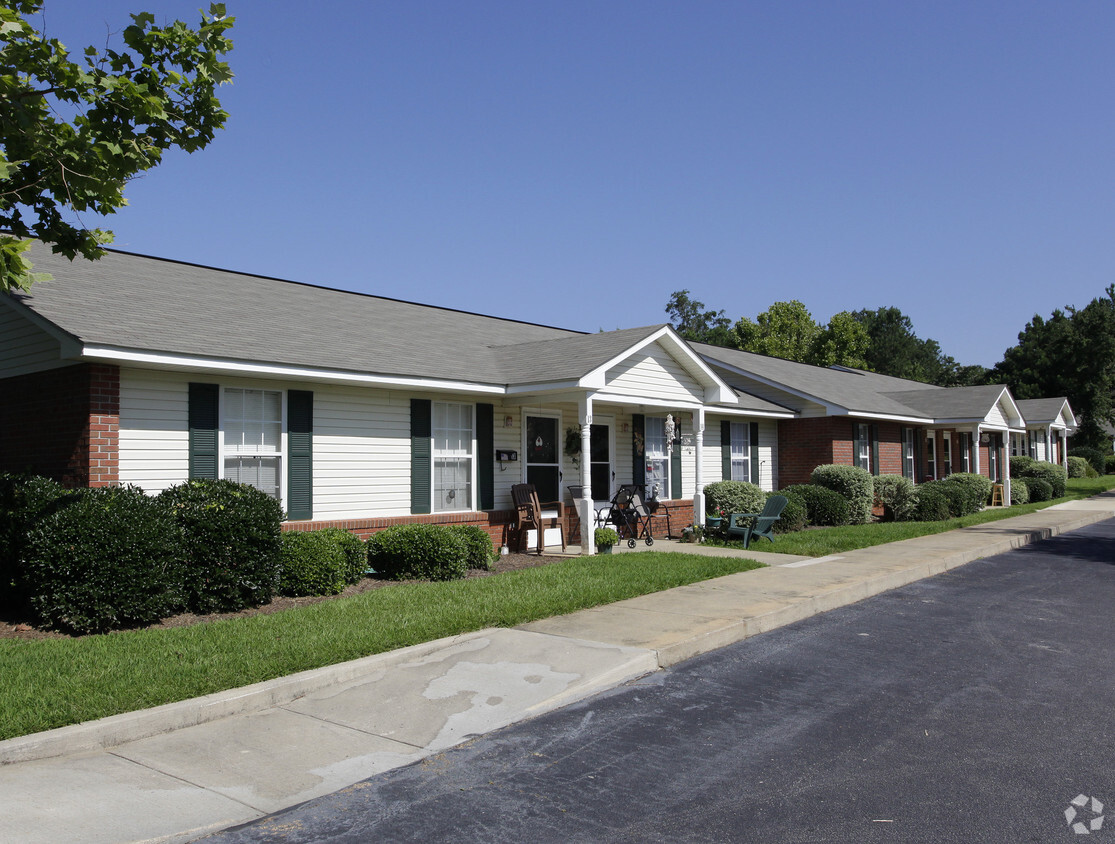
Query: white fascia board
(891, 417)
(739, 411)
(716, 390)
(300, 373)
(648, 401)
(544, 387)
(69, 346)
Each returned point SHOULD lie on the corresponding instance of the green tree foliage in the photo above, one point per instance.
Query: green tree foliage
(72, 134)
(1070, 354)
(894, 349)
(787, 330)
(693, 322)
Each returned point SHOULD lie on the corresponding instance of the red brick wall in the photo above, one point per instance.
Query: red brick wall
(62, 423)
(805, 444)
(890, 448)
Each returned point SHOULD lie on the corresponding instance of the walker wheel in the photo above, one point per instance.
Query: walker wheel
(631, 543)
(650, 541)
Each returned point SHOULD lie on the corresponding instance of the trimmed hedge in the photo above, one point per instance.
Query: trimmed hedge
(932, 504)
(1055, 476)
(977, 492)
(795, 515)
(1019, 491)
(313, 562)
(25, 500)
(1109, 464)
(896, 495)
(1019, 463)
(1096, 458)
(106, 561)
(822, 506)
(733, 497)
(1040, 489)
(356, 553)
(478, 545)
(854, 483)
(232, 544)
(1078, 466)
(418, 552)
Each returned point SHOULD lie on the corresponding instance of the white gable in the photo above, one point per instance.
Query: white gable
(653, 372)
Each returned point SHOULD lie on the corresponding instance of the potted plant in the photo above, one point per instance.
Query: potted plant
(715, 519)
(605, 538)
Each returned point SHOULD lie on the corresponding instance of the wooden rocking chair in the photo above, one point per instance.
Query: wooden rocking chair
(530, 515)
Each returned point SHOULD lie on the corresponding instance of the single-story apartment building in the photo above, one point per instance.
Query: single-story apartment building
(363, 411)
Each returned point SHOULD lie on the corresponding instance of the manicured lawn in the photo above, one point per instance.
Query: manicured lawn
(822, 541)
(53, 682)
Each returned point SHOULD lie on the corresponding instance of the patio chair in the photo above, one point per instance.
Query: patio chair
(599, 511)
(530, 514)
(750, 525)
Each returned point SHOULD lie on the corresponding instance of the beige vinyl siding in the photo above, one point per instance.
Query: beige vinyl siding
(768, 451)
(24, 347)
(655, 374)
(997, 417)
(154, 429)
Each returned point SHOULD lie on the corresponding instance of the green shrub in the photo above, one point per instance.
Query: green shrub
(312, 563)
(355, 551)
(895, 494)
(1019, 491)
(1019, 463)
(105, 561)
(605, 537)
(232, 544)
(733, 497)
(479, 546)
(418, 552)
(854, 483)
(1078, 467)
(1056, 476)
(823, 507)
(795, 516)
(1109, 464)
(25, 500)
(932, 504)
(1096, 458)
(977, 487)
(1040, 489)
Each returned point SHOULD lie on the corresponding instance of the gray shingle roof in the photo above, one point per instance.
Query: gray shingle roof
(952, 403)
(1041, 411)
(136, 302)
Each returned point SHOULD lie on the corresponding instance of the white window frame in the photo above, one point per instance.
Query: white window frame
(862, 453)
(226, 451)
(931, 454)
(740, 444)
(909, 462)
(966, 448)
(440, 454)
(662, 455)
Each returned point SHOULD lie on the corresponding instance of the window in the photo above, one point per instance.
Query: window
(452, 456)
(966, 451)
(741, 451)
(253, 439)
(657, 457)
(931, 454)
(946, 455)
(863, 446)
(908, 453)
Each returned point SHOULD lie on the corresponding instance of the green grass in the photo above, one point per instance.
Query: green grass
(54, 682)
(824, 541)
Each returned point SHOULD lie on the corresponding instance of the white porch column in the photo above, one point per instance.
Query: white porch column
(975, 451)
(1063, 439)
(1006, 471)
(699, 442)
(585, 511)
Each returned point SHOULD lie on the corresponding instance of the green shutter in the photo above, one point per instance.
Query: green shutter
(726, 450)
(753, 443)
(300, 454)
(638, 449)
(675, 471)
(874, 449)
(203, 423)
(421, 450)
(486, 455)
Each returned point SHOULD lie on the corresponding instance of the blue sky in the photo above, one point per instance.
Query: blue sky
(574, 163)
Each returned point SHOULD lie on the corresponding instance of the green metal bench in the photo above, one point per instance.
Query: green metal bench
(750, 525)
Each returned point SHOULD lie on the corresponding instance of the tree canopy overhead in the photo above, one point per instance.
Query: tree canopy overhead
(73, 133)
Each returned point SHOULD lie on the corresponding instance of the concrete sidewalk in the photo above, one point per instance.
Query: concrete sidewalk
(179, 771)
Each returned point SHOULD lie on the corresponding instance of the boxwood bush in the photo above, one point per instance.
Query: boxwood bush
(313, 562)
(1040, 489)
(933, 505)
(733, 497)
(854, 483)
(1109, 464)
(106, 561)
(977, 491)
(795, 516)
(1019, 463)
(355, 551)
(1095, 457)
(25, 500)
(1019, 492)
(823, 507)
(895, 494)
(1055, 476)
(1078, 466)
(418, 552)
(479, 545)
(232, 544)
